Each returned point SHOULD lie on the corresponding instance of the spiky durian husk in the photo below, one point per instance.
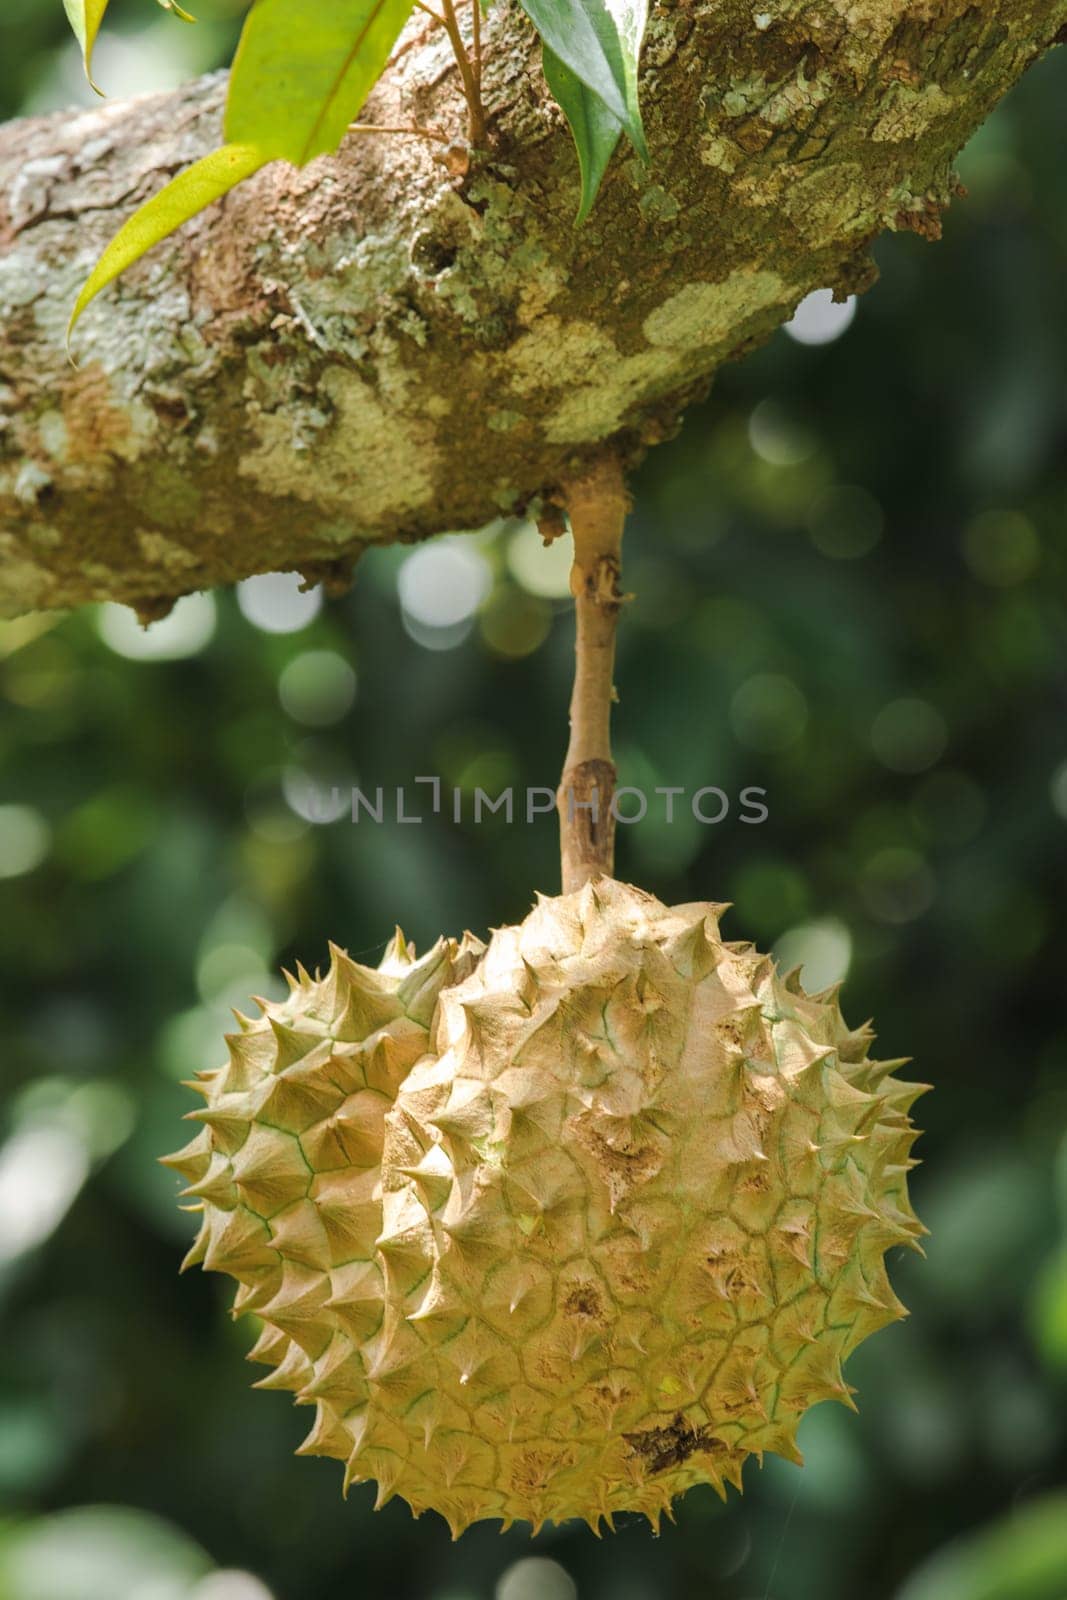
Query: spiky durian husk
(631, 1214)
(286, 1167)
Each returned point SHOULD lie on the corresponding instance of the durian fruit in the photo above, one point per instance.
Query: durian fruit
(629, 1221)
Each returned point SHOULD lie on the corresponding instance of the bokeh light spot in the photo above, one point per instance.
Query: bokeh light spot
(42, 677)
(845, 522)
(319, 797)
(275, 602)
(820, 319)
(536, 1578)
(317, 688)
(821, 949)
(515, 624)
(130, 61)
(909, 735)
(769, 712)
(778, 438)
(228, 969)
(191, 1035)
(543, 570)
(24, 840)
(488, 770)
(231, 1585)
(441, 586)
(269, 814)
(187, 628)
(769, 894)
(41, 1170)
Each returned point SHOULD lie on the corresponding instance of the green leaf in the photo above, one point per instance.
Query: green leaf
(179, 11)
(182, 198)
(596, 132)
(298, 79)
(600, 42)
(301, 74)
(85, 17)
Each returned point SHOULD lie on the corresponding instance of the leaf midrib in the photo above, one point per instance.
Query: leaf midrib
(346, 67)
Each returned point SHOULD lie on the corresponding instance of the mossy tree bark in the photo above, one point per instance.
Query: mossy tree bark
(403, 340)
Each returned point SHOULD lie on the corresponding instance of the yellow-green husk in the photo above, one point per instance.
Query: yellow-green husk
(562, 1228)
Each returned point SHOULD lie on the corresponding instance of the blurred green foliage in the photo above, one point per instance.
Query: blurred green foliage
(851, 590)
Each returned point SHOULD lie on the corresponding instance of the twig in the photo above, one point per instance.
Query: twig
(597, 505)
(382, 127)
(471, 89)
(476, 7)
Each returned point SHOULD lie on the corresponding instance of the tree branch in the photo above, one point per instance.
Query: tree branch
(407, 338)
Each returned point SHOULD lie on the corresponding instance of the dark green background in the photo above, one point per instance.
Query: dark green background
(941, 858)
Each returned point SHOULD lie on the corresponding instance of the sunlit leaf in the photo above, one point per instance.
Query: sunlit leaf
(600, 42)
(182, 198)
(596, 131)
(85, 17)
(300, 75)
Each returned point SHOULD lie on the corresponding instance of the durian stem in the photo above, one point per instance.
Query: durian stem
(597, 504)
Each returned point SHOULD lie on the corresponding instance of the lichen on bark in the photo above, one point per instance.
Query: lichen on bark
(400, 341)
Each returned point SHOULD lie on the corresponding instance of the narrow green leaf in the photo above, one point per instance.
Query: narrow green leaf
(596, 132)
(182, 198)
(85, 17)
(179, 11)
(600, 42)
(301, 74)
